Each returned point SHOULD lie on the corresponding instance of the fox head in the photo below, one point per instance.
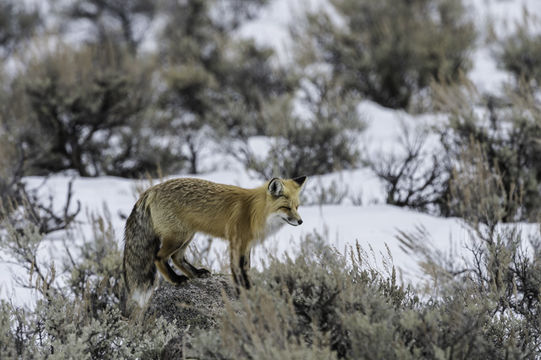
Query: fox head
(285, 198)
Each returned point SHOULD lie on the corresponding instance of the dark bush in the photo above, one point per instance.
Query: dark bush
(18, 24)
(483, 136)
(391, 50)
(86, 110)
(508, 141)
(11, 171)
(19, 205)
(121, 22)
(100, 108)
(414, 177)
(234, 13)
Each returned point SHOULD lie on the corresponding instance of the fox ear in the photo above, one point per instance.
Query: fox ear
(276, 187)
(300, 180)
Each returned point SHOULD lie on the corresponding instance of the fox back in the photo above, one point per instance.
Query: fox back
(219, 210)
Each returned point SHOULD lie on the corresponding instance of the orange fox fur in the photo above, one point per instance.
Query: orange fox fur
(167, 216)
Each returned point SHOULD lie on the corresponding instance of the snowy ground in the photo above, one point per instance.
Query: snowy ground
(372, 224)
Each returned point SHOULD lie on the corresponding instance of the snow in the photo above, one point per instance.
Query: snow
(504, 15)
(373, 224)
(485, 74)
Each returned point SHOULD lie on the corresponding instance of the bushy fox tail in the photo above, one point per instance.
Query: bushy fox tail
(141, 245)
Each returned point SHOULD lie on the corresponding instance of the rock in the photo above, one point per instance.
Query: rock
(197, 303)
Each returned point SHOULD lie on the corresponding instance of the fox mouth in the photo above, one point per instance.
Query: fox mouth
(294, 222)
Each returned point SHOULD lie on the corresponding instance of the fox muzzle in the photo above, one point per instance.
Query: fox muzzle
(292, 221)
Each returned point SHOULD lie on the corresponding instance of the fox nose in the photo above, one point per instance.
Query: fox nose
(299, 221)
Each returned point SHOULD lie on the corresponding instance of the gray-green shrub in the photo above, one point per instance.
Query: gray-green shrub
(518, 53)
(79, 309)
(322, 304)
(215, 85)
(391, 50)
(322, 140)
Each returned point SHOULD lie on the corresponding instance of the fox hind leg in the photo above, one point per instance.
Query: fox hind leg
(162, 264)
(180, 262)
(168, 273)
(189, 269)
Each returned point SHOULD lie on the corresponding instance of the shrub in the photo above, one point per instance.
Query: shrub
(19, 205)
(501, 271)
(297, 310)
(85, 110)
(79, 311)
(321, 304)
(320, 140)
(482, 137)
(17, 24)
(12, 154)
(519, 54)
(215, 86)
(413, 178)
(391, 50)
(11, 171)
(61, 329)
(508, 138)
(125, 22)
(318, 193)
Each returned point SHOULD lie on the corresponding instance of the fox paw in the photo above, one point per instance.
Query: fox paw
(179, 279)
(203, 273)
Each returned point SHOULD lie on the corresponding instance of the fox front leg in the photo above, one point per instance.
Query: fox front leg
(240, 264)
(244, 264)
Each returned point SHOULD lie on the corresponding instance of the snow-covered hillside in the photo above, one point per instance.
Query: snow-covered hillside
(373, 224)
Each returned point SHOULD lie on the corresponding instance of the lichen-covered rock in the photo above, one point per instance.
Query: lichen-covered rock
(197, 303)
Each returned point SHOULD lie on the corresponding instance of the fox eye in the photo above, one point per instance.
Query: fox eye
(285, 208)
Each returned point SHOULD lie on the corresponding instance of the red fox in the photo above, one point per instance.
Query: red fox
(166, 217)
